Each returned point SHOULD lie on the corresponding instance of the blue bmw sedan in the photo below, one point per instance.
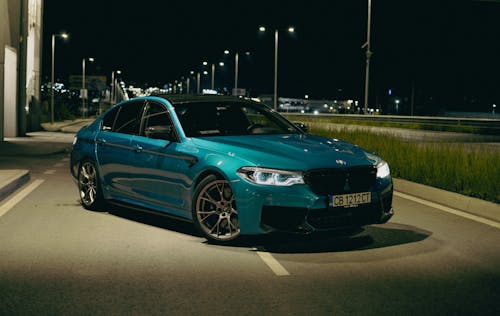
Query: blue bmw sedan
(231, 166)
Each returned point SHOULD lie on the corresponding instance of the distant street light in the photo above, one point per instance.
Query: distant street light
(64, 36)
(84, 90)
(494, 106)
(290, 30)
(113, 86)
(221, 64)
(236, 66)
(198, 83)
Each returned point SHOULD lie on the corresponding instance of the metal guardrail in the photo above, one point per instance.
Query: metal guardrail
(493, 123)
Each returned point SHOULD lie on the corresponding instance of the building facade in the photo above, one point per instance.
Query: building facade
(20, 66)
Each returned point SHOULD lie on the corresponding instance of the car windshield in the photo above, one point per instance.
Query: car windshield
(200, 119)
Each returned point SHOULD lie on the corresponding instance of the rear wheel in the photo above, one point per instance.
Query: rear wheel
(89, 186)
(214, 212)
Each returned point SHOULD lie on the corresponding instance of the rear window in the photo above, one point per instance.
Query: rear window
(128, 120)
(109, 119)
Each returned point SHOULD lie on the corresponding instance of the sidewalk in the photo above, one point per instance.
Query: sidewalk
(68, 126)
(58, 138)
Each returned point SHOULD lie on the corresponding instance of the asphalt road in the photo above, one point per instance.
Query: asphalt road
(58, 259)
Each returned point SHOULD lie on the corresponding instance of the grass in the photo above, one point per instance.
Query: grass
(472, 170)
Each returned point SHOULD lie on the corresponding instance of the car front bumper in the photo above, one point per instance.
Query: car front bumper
(264, 209)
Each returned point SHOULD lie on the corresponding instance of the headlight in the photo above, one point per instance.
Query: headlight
(383, 170)
(74, 140)
(267, 176)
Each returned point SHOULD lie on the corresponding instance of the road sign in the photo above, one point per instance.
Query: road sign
(97, 83)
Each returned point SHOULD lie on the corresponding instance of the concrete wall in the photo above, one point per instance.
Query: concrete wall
(10, 92)
(20, 31)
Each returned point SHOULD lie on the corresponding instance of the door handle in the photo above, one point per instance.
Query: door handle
(138, 148)
(101, 141)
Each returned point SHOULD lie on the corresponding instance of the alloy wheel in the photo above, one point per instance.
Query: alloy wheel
(87, 182)
(216, 211)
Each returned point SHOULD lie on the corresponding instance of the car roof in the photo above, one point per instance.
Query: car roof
(186, 98)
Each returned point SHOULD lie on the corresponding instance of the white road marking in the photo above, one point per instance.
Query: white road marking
(50, 171)
(59, 164)
(65, 159)
(272, 263)
(449, 210)
(4, 208)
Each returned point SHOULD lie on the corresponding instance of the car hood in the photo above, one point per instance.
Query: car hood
(290, 151)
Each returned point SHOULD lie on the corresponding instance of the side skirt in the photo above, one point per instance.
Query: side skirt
(147, 210)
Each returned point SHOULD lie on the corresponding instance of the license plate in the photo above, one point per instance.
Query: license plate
(350, 200)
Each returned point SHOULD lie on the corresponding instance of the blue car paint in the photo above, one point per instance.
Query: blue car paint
(128, 175)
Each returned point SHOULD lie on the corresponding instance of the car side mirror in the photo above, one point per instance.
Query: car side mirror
(161, 132)
(302, 126)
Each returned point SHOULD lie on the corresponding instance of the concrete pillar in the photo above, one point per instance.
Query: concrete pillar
(5, 39)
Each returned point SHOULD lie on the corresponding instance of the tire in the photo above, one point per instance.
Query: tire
(89, 186)
(214, 210)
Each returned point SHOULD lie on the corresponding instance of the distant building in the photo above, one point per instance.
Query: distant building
(310, 105)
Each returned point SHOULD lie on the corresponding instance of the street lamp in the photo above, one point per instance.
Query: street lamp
(113, 86)
(198, 78)
(64, 36)
(221, 64)
(368, 54)
(205, 72)
(84, 90)
(188, 82)
(236, 66)
(493, 111)
(290, 30)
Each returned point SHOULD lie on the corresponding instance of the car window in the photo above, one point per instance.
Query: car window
(128, 118)
(109, 119)
(156, 115)
(215, 119)
(258, 120)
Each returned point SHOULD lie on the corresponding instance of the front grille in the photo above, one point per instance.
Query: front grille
(337, 181)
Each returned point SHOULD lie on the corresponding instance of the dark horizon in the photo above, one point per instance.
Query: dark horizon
(447, 51)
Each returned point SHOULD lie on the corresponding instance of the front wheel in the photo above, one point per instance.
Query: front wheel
(89, 186)
(214, 212)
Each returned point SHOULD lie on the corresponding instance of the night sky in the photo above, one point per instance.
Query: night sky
(449, 51)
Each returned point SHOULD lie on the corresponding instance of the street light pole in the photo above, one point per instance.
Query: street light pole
(83, 88)
(276, 70)
(52, 80)
(290, 30)
(112, 92)
(213, 76)
(236, 60)
(84, 91)
(63, 35)
(198, 83)
(368, 55)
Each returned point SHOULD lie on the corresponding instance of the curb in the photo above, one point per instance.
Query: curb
(457, 201)
(11, 180)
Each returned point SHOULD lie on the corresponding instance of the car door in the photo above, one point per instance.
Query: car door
(163, 172)
(114, 148)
